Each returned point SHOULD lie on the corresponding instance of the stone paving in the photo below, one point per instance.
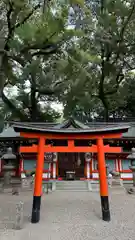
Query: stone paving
(70, 216)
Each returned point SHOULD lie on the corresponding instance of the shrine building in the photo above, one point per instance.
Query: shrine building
(82, 163)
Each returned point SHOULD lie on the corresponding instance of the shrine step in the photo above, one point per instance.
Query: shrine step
(72, 186)
(96, 188)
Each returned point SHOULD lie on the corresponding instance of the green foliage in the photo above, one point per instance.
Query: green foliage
(77, 2)
(33, 44)
(100, 62)
(86, 67)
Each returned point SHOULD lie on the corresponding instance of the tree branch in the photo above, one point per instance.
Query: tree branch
(118, 80)
(44, 5)
(127, 22)
(12, 106)
(48, 91)
(101, 84)
(101, 90)
(53, 51)
(128, 65)
(35, 46)
(9, 11)
(120, 40)
(12, 28)
(95, 95)
(17, 59)
(45, 91)
(8, 15)
(27, 17)
(44, 46)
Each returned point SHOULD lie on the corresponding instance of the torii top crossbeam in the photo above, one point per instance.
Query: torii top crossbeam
(70, 130)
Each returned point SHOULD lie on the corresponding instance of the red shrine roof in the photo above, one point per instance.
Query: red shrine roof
(70, 126)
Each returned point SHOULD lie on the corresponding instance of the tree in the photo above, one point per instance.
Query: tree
(34, 34)
(128, 93)
(102, 58)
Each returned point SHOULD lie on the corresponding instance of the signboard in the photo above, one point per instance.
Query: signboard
(48, 157)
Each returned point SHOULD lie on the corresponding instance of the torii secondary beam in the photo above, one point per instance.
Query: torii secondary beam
(49, 148)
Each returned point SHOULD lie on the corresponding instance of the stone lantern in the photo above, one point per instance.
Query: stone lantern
(116, 181)
(8, 166)
(8, 170)
(131, 157)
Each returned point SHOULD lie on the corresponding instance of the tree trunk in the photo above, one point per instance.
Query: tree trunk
(1, 83)
(2, 75)
(106, 116)
(106, 108)
(33, 110)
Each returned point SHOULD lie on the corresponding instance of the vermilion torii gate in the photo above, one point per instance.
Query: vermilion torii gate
(70, 134)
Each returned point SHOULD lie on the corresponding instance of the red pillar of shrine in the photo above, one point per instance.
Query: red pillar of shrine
(103, 181)
(38, 182)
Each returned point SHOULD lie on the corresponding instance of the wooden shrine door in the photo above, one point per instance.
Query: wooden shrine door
(71, 162)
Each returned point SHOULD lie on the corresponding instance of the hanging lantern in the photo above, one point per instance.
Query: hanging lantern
(88, 157)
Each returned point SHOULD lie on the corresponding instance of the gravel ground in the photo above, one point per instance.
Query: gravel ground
(70, 216)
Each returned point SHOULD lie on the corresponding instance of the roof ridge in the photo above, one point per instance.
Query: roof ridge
(71, 122)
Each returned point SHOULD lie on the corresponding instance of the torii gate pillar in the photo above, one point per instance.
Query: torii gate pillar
(103, 181)
(38, 182)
